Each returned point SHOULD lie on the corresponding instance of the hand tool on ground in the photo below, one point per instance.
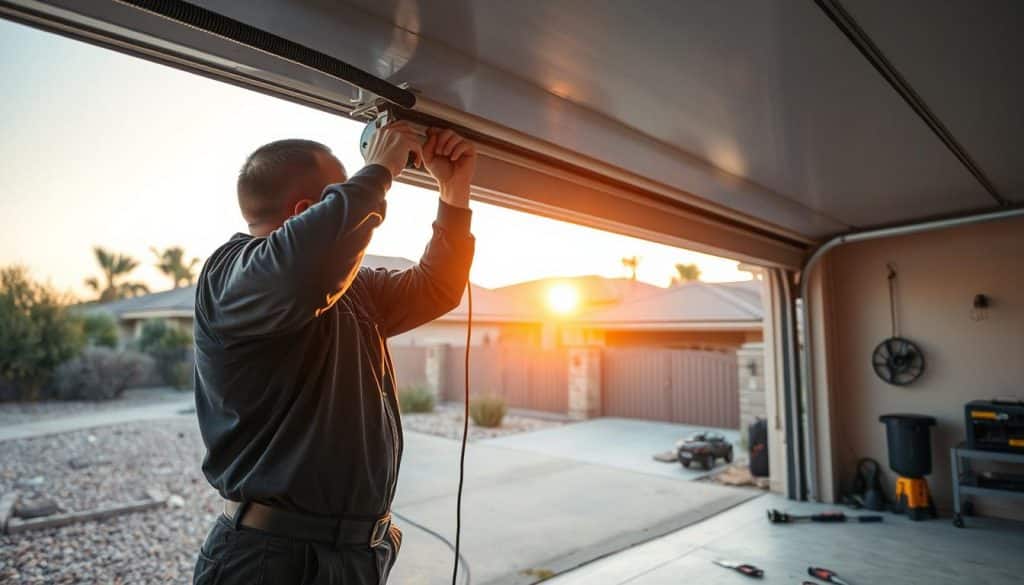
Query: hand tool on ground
(745, 568)
(826, 575)
(780, 517)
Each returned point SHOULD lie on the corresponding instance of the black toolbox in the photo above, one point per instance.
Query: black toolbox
(994, 425)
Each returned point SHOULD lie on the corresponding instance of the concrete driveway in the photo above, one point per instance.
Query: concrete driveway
(525, 511)
(616, 442)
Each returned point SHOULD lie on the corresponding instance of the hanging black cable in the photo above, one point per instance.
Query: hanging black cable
(892, 298)
(442, 538)
(465, 435)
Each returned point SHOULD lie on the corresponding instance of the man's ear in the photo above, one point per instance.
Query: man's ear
(301, 205)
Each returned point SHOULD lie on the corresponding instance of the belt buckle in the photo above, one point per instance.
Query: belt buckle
(380, 530)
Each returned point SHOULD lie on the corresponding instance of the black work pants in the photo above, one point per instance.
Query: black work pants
(246, 556)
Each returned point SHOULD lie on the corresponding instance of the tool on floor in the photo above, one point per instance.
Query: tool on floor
(780, 517)
(745, 568)
(910, 455)
(826, 575)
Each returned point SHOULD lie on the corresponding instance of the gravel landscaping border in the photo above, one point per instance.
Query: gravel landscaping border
(95, 468)
(13, 413)
(446, 421)
(92, 469)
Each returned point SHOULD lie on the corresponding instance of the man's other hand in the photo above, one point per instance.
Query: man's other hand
(451, 160)
(392, 145)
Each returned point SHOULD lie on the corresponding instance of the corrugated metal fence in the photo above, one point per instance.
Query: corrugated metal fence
(526, 377)
(674, 385)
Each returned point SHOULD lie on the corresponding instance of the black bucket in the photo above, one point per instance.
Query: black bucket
(910, 443)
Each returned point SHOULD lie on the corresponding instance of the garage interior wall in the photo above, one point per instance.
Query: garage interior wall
(939, 273)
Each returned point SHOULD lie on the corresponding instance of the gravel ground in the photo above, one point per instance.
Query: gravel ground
(82, 470)
(12, 413)
(121, 463)
(446, 421)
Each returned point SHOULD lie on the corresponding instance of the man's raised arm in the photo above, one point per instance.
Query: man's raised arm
(280, 282)
(406, 299)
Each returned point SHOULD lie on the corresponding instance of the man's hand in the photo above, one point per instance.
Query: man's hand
(451, 160)
(391, 146)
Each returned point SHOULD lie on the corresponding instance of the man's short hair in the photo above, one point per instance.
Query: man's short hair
(271, 172)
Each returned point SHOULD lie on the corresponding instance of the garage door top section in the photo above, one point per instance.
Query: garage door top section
(763, 108)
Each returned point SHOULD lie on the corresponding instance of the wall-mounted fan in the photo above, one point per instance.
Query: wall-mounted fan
(897, 361)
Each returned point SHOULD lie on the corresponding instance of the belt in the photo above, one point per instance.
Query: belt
(331, 530)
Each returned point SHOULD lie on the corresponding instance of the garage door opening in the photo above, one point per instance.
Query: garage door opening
(602, 350)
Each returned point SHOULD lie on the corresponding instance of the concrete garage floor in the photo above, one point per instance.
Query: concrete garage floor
(895, 552)
(617, 442)
(524, 510)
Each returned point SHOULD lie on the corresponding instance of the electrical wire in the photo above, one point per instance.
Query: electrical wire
(442, 538)
(459, 559)
(465, 435)
(892, 299)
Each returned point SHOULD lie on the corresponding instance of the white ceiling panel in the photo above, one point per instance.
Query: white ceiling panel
(764, 108)
(964, 59)
(770, 91)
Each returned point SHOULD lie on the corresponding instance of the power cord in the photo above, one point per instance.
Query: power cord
(439, 536)
(459, 559)
(465, 435)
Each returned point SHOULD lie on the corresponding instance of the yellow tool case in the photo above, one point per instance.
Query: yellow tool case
(993, 425)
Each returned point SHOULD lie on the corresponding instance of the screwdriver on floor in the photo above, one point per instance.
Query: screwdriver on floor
(824, 575)
(746, 569)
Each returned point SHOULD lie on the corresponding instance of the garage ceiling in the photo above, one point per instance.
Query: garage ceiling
(768, 91)
(762, 108)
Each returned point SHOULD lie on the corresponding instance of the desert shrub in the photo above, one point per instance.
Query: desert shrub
(182, 375)
(487, 411)
(168, 346)
(100, 373)
(100, 330)
(37, 333)
(416, 399)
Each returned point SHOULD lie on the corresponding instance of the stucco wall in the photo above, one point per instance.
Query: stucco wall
(939, 274)
(450, 333)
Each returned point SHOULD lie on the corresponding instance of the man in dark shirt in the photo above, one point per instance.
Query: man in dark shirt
(295, 389)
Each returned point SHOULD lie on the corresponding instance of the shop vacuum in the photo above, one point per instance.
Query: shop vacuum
(910, 456)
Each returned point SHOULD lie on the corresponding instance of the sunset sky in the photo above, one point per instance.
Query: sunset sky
(103, 149)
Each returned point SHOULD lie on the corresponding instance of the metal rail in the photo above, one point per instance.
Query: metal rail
(846, 24)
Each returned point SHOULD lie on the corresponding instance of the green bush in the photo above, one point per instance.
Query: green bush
(487, 411)
(182, 376)
(168, 346)
(100, 330)
(416, 399)
(37, 333)
(100, 373)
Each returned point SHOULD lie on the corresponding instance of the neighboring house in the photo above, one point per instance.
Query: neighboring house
(175, 306)
(631, 349)
(613, 311)
(697, 315)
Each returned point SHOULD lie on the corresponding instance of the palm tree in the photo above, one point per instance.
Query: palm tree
(115, 266)
(631, 263)
(172, 263)
(687, 273)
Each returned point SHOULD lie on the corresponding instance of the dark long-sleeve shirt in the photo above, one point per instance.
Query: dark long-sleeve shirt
(295, 389)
